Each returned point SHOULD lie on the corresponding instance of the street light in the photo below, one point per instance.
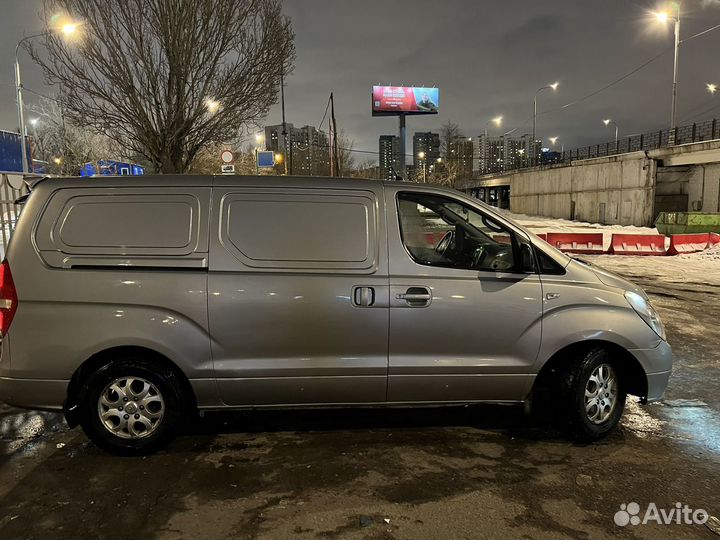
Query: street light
(497, 121)
(259, 140)
(212, 105)
(712, 88)
(609, 121)
(68, 29)
(553, 87)
(421, 157)
(663, 17)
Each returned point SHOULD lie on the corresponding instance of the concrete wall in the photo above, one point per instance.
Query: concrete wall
(610, 190)
(672, 186)
(704, 188)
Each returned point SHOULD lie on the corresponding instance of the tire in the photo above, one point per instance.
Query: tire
(588, 403)
(131, 407)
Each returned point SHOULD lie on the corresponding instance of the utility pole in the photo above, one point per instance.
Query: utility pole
(284, 125)
(333, 141)
(402, 134)
(675, 73)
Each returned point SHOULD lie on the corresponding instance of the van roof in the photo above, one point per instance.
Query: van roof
(219, 180)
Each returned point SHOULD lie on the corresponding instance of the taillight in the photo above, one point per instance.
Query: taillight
(8, 298)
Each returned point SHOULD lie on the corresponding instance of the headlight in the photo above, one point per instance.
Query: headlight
(647, 313)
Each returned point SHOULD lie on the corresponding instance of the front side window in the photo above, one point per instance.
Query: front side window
(438, 231)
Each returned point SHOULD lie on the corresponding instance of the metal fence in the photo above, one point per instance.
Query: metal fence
(696, 132)
(9, 211)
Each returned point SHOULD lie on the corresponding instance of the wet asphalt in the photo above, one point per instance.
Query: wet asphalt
(468, 472)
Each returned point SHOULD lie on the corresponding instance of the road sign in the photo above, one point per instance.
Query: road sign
(227, 169)
(266, 159)
(227, 156)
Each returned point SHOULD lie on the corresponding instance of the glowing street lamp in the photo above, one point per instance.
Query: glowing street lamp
(497, 121)
(664, 17)
(609, 121)
(553, 87)
(212, 105)
(712, 88)
(68, 29)
(421, 157)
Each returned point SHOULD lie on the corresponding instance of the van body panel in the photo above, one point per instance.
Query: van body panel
(65, 315)
(476, 326)
(282, 303)
(109, 226)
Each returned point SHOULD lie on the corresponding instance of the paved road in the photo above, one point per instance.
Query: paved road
(473, 472)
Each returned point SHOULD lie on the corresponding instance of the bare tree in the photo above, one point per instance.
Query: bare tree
(346, 160)
(447, 172)
(64, 146)
(165, 78)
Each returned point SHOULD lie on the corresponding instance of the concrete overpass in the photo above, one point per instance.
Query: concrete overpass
(625, 189)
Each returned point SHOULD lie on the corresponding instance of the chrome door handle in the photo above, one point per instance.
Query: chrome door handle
(415, 296)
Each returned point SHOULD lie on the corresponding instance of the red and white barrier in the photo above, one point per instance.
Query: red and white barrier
(588, 243)
(713, 239)
(688, 243)
(637, 244)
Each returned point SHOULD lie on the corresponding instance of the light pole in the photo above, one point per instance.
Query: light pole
(486, 159)
(68, 29)
(259, 140)
(552, 86)
(609, 121)
(421, 157)
(664, 17)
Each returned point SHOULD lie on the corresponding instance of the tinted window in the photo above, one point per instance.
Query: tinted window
(439, 231)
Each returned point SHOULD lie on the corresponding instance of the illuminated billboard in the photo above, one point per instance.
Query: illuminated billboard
(393, 100)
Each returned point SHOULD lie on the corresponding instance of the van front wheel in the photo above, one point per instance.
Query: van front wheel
(595, 396)
(130, 409)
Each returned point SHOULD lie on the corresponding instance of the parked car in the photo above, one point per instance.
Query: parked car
(130, 303)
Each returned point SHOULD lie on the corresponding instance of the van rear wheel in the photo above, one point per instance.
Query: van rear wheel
(131, 408)
(594, 391)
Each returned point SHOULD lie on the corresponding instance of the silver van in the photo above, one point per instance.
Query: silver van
(131, 303)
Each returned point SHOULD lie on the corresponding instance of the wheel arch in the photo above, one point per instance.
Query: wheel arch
(629, 367)
(77, 387)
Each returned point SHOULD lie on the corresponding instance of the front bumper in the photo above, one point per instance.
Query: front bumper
(39, 394)
(657, 364)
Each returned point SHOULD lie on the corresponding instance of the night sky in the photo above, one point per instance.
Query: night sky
(487, 57)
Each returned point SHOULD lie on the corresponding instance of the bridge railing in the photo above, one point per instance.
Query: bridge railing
(690, 133)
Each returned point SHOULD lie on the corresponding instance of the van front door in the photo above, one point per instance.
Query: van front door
(298, 294)
(465, 305)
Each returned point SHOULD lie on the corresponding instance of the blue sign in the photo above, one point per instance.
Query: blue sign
(11, 153)
(266, 159)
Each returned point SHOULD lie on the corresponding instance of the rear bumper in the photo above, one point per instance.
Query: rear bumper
(40, 394)
(657, 363)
